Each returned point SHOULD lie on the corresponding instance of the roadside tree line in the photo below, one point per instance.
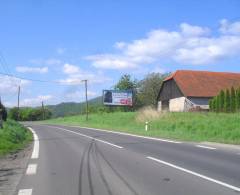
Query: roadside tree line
(226, 101)
(29, 114)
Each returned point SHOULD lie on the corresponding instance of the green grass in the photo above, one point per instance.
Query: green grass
(222, 127)
(13, 137)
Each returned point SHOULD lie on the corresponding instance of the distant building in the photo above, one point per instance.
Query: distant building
(186, 90)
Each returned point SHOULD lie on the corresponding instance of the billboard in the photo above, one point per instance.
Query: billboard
(118, 97)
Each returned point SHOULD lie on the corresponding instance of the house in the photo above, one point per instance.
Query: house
(185, 90)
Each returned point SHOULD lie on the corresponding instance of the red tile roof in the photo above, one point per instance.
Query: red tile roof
(204, 83)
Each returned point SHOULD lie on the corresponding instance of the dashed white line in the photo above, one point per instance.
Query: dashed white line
(206, 147)
(32, 169)
(35, 153)
(128, 134)
(195, 174)
(89, 137)
(25, 192)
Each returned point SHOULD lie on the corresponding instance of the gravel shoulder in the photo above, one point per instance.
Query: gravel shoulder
(12, 168)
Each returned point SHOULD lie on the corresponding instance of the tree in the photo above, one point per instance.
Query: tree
(233, 100)
(3, 111)
(29, 114)
(218, 103)
(13, 113)
(214, 104)
(227, 104)
(238, 100)
(127, 83)
(211, 105)
(221, 100)
(148, 88)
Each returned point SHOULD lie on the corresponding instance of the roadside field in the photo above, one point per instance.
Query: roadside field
(212, 127)
(13, 137)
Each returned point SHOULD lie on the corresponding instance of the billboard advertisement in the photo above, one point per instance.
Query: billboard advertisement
(118, 97)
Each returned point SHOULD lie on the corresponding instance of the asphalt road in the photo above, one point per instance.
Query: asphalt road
(79, 161)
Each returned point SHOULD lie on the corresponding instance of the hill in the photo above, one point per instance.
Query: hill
(72, 108)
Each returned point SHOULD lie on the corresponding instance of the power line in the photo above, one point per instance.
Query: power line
(29, 79)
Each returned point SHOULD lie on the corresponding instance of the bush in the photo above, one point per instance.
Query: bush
(30, 114)
(13, 137)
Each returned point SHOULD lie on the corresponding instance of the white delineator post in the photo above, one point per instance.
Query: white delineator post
(146, 125)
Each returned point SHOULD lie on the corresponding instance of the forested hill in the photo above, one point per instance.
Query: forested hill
(72, 108)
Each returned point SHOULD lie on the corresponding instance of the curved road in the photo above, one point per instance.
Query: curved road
(80, 161)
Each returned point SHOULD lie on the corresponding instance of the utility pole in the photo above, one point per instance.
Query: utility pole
(43, 112)
(18, 103)
(86, 91)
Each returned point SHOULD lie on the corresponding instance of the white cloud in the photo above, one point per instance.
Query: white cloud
(35, 101)
(76, 79)
(76, 76)
(9, 85)
(229, 28)
(27, 69)
(70, 69)
(80, 94)
(190, 45)
(111, 61)
(159, 70)
(189, 30)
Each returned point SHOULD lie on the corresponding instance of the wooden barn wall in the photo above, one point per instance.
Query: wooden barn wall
(169, 90)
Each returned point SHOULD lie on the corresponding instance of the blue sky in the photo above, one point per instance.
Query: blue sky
(70, 40)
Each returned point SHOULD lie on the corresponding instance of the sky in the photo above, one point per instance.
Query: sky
(67, 41)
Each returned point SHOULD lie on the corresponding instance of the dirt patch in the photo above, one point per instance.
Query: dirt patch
(12, 167)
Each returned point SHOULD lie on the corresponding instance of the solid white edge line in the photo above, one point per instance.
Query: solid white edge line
(128, 134)
(25, 192)
(32, 169)
(206, 147)
(89, 137)
(35, 153)
(195, 174)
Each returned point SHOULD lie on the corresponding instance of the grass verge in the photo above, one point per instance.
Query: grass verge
(13, 137)
(213, 127)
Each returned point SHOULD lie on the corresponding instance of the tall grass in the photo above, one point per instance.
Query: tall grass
(13, 137)
(221, 127)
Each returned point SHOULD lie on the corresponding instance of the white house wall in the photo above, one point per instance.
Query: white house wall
(177, 104)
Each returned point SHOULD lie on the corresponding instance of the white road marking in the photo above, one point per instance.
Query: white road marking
(32, 169)
(114, 145)
(206, 147)
(35, 153)
(25, 192)
(128, 134)
(195, 174)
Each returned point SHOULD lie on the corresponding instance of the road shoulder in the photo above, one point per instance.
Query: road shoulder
(12, 168)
